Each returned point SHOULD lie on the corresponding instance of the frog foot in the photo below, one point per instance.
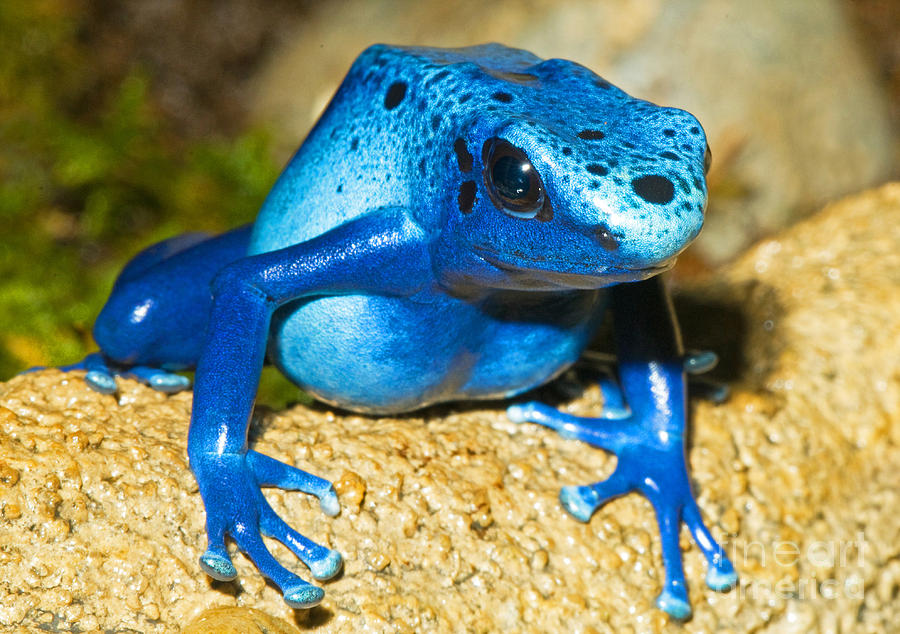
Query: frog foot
(101, 375)
(650, 463)
(697, 362)
(235, 506)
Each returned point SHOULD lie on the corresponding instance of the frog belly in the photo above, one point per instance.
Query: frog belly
(382, 355)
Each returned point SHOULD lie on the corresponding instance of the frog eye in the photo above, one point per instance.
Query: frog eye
(512, 181)
(707, 160)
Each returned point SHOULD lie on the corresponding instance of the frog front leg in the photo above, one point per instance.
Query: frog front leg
(649, 443)
(385, 253)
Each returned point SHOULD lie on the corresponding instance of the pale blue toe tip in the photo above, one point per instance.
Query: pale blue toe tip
(676, 607)
(218, 567)
(517, 414)
(330, 504)
(101, 382)
(170, 383)
(721, 580)
(303, 597)
(327, 567)
(573, 501)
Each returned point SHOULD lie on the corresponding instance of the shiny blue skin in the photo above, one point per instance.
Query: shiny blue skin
(382, 276)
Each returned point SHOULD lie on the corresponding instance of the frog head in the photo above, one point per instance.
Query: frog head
(561, 180)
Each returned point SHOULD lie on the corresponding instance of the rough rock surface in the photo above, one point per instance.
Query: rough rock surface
(779, 86)
(450, 520)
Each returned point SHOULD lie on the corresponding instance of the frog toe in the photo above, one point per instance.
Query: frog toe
(720, 574)
(218, 565)
(708, 389)
(99, 377)
(566, 425)
(169, 383)
(101, 381)
(327, 567)
(675, 604)
(329, 503)
(296, 592)
(578, 503)
(322, 562)
(303, 596)
(271, 472)
(699, 361)
(535, 412)
(583, 501)
(102, 374)
(158, 379)
(519, 413)
(721, 580)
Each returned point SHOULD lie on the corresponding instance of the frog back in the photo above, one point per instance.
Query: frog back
(386, 139)
(360, 156)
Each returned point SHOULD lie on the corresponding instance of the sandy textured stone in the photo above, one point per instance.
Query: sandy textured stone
(235, 620)
(450, 518)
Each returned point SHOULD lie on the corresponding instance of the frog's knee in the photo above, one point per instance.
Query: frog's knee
(138, 326)
(124, 329)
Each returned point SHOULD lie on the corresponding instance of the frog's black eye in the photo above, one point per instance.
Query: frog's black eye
(513, 183)
(707, 160)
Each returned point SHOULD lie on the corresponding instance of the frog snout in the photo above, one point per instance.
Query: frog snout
(648, 229)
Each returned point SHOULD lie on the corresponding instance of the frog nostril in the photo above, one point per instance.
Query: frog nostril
(654, 189)
(606, 239)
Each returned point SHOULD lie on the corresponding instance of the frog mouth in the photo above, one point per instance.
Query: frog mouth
(566, 273)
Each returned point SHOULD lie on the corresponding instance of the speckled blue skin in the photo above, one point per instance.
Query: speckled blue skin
(383, 275)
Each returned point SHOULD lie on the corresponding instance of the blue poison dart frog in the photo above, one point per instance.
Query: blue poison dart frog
(456, 226)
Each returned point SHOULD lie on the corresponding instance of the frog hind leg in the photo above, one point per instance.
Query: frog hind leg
(658, 470)
(155, 319)
(694, 362)
(649, 442)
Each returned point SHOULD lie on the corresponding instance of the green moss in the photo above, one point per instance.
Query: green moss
(90, 172)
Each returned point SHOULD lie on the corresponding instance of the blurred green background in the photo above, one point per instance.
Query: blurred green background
(92, 170)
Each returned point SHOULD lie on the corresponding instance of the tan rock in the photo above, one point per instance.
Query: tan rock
(450, 518)
(234, 620)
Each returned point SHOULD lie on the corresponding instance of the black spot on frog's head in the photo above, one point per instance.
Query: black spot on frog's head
(654, 188)
(502, 97)
(395, 94)
(591, 135)
(466, 197)
(463, 156)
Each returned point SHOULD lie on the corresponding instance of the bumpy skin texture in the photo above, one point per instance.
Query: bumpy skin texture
(454, 227)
